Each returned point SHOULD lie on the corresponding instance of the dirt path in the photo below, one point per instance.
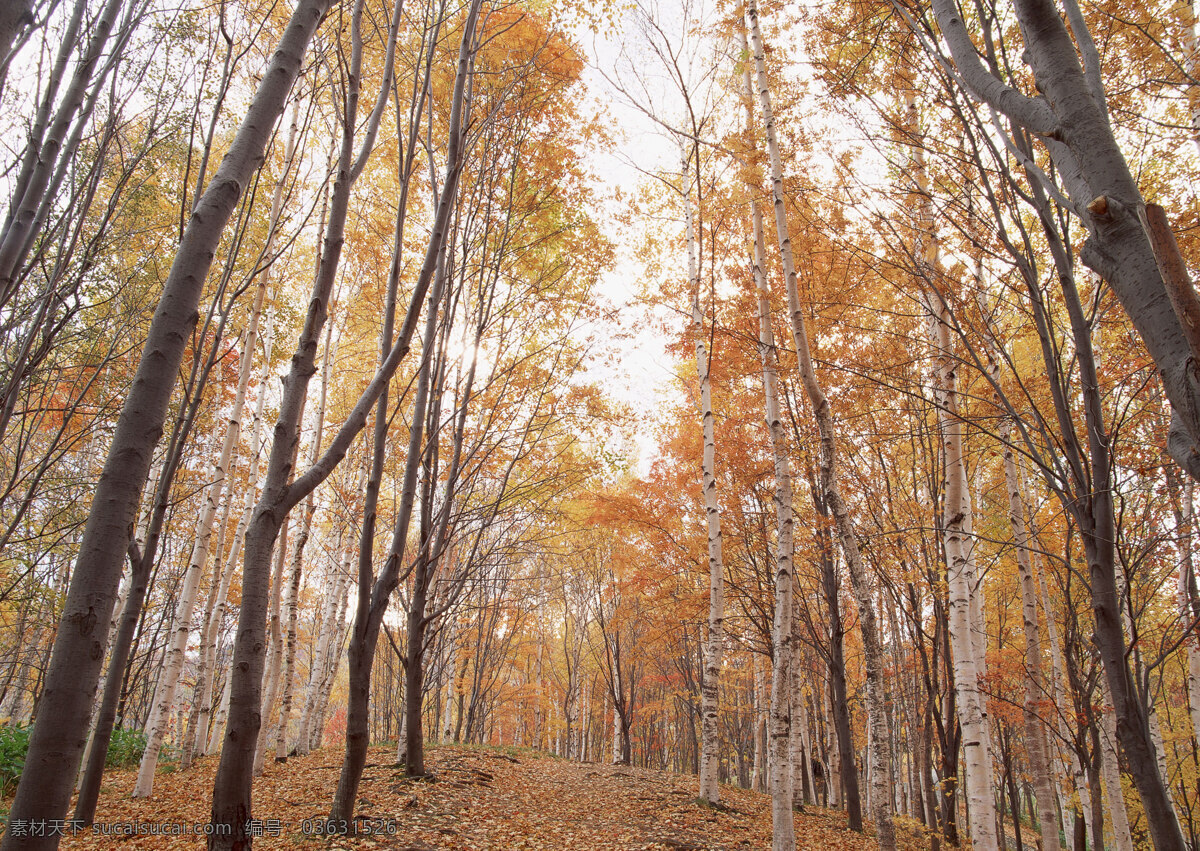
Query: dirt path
(477, 799)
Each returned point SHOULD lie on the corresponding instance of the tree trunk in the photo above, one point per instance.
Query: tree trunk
(880, 739)
(1036, 743)
(758, 778)
(1111, 773)
(231, 793)
(14, 17)
(779, 719)
(1070, 115)
(710, 757)
(369, 612)
(965, 626)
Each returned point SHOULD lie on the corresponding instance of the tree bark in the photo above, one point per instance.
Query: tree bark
(710, 757)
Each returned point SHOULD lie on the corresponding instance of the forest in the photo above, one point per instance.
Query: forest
(791, 407)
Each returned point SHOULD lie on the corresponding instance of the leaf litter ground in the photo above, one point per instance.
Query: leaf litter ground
(477, 798)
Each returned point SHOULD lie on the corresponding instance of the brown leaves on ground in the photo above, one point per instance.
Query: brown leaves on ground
(476, 798)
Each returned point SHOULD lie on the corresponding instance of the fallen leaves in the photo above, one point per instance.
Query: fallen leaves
(475, 799)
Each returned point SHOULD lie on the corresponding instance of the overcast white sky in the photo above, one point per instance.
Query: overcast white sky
(635, 369)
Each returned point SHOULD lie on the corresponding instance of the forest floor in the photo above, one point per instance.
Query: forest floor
(478, 798)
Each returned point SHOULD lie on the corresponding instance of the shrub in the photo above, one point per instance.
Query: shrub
(14, 744)
(125, 748)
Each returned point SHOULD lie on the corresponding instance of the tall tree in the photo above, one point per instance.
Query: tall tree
(880, 739)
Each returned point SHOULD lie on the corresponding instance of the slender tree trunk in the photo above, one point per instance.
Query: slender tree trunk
(1036, 743)
(29, 209)
(965, 626)
(710, 757)
(231, 794)
(1182, 505)
(327, 630)
(1111, 773)
(270, 681)
(758, 778)
(369, 612)
(880, 740)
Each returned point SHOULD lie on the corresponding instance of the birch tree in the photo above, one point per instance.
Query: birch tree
(710, 688)
(880, 738)
(1070, 115)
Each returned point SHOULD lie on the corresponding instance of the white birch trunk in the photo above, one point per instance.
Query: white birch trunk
(1036, 742)
(1191, 64)
(710, 688)
(972, 708)
(212, 630)
(758, 780)
(783, 830)
(342, 627)
(1110, 772)
(327, 628)
(270, 687)
(1160, 753)
(168, 680)
(880, 740)
(964, 627)
(218, 727)
(1184, 519)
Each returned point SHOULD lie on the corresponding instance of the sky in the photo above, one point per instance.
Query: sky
(634, 367)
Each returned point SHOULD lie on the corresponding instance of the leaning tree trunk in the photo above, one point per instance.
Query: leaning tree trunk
(57, 742)
(880, 736)
(231, 793)
(43, 167)
(1069, 115)
(293, 590)
(710, 683)
(164, 693)
(141, 564)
